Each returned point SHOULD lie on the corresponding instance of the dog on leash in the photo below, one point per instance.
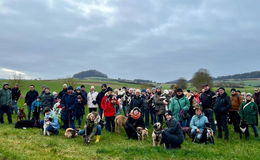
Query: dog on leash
(70, 133)
(120, 121)
(21, 115)
(207, 136)
(243, 129)
(141, 133)
(157, 134)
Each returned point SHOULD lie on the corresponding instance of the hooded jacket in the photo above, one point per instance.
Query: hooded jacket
(5, 97)
(222, 104)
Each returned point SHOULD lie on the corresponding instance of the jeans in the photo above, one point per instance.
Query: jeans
(146, 117)
(183, 123)
(110, 124)
(255, 130)
(98, 132)
(29, 109)
(100, 112)
(14, 106)
(153, 117)
(5, 109)
(124, 110)
(196, 135)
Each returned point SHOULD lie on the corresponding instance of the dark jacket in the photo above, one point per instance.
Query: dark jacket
(207, 100)
(47, 100)
(222, 104)
(30, 97)
(68, 103)
(100, 97)
(16, 93)
(136, 101)
(79, 110)
(134, 123)
(61, 93)
(256, 97)
(173, 130)
(159, 105)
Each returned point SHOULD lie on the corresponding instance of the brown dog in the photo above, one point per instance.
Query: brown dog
(70, 133)
(120, 121)
(141, 133)
(21, 115)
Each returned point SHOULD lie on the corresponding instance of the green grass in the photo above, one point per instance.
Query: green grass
(29, 144)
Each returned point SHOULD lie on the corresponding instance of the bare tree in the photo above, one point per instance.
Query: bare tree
(16, 79)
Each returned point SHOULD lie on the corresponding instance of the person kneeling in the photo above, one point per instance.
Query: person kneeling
(197, 124)
(92, 127)
(50, 122)
(172, 137)
(134, 120)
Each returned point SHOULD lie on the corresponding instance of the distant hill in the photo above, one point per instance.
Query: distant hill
(89, 73)
(242, 76)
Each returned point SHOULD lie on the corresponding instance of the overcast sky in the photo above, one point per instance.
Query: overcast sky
(159, 40)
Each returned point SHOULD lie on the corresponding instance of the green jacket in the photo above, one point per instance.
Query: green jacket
(249, 112)
(175, 107)
(5, 97)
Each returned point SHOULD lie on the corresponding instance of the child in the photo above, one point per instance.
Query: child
(57, 107)
(36, 109)
(79, 110)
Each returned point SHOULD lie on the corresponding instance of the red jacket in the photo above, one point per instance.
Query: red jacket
(108, 107)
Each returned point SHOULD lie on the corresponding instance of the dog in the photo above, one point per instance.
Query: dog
(207, 136)
(243, 129)
(21, 115)
(70, 133)
(141, 133)
(27, 124)
(120, 121)
(45, 126)
(157, 134)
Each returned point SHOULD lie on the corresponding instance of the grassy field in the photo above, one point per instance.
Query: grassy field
(30, 144)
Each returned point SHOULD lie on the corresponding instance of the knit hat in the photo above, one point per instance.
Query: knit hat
(168, 113)
(70, 88)
(143, 90)
(221, 88)
(64, 85)
(82, 86)
(179, 90)
(78, 88)
(249, 94)
(233, 89)
(104, 85)
(109, 89)
(5, 83)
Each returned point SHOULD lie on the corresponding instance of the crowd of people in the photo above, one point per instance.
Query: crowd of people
(176, 108)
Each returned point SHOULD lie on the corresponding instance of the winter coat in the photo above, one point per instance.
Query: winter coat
(55, 121)
(79, 110)
(175, 107)
(236, 101)
(108, 107)
(222, 104)
(36, 106)
(174, 129)
(199, 122)
(256, 97)
(207, 99)
(68, 103)
(30, 97)
(134, 123)
(92, 96)
(16, 93)
(160, 107)
(91, 126)
(136, 101)
(5, 97)
(248, 112)
(100, 97)
(61, 93)
(47, 100)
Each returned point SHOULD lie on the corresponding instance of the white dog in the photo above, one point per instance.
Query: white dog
(45, 126)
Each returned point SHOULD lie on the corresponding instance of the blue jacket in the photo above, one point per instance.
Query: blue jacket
(198, 122)
(55, 121)
(36, 105)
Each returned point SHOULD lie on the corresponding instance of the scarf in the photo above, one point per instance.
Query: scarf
(135, 116)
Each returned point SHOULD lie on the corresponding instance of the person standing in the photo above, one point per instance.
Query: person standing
(256, 98)
(47, 98)
(207, 99)
(5, 103)
(31, 95)
(179, 107)
(92, 100)
(68, 103)
(160, 105)
(16, 93)
(64, 91)
(234, 110)
(248, 110)
(99, 98)
(221, 108)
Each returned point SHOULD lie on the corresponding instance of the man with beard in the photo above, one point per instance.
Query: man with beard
(221, 108)
(99, 98)
(207, 101)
